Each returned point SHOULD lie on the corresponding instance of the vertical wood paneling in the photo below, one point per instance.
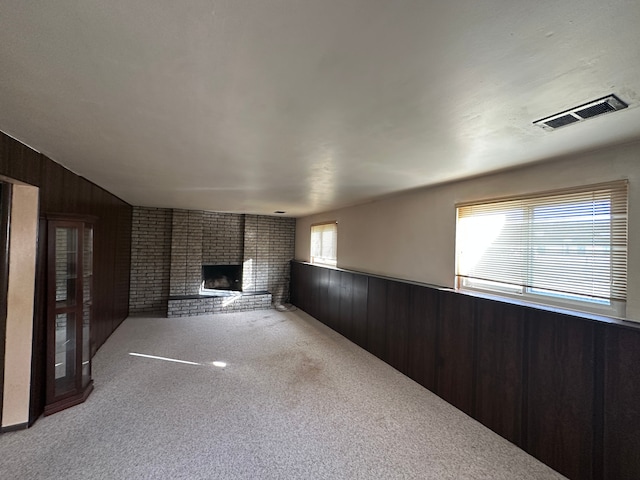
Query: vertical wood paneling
(346, 304)
(32, 171)
(397, 323)
(454, 375)
(123, 262)
(376, 317)
(500, 368)
(4, 154)
(307, 293)
(560, 392)
(51, 190)
(70, 189)
(296, 287)
(102, 275)
(333, 320)
(84, 199)
(313, 297)
(359, 310)
(562, 387)
(19, 162)
(16, 168)
(62, 192)
(105, 236)
(421, 351)
(322, 275)
(621, 443)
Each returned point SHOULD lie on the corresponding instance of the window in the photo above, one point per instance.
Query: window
(565, 248)
(324, 239)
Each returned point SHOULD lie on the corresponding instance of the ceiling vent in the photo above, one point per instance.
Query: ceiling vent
(610, 103)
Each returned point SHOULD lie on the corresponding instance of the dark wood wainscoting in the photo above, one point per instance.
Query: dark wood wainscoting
(455, 349)
(564, 388)
(63, 192)
(499, 368)
(621, 404)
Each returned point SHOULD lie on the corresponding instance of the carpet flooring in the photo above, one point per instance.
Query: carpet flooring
(295, 400)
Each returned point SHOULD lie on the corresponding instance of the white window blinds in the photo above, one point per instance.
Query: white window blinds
(570, 244)
(324, 239)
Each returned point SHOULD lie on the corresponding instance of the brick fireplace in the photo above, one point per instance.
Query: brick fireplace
(170, 247)
(221, 278)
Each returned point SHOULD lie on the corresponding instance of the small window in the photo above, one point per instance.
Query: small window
(324, 239)
(564, 248)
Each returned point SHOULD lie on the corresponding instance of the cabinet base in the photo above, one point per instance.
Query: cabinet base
(69, 401)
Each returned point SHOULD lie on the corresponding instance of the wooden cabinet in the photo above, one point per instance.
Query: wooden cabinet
(69, 312)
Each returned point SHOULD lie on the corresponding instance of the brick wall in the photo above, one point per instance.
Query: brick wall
(150, 259)
(282, 233)
(172, 245)
(250, 272)
(186, 252)
(269, 244)
(222, 238)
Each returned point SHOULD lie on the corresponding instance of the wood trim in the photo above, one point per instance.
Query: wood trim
(15, 428)
(71, 217)
(5, 221)
(39, 348)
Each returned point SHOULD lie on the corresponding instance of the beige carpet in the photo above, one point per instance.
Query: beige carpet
(294, 401)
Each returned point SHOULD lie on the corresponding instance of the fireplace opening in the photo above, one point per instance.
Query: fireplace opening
(221, 277)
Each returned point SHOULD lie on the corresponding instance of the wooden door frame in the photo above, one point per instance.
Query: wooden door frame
(5, 223)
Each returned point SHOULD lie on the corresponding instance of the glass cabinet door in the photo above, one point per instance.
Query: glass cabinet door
(66, 267)
(70, 284)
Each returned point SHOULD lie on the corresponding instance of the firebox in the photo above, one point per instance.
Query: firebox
(221, 277)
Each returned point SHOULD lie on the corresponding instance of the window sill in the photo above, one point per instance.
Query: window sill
(550, 308)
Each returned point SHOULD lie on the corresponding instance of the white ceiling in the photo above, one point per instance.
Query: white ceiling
(307, 105)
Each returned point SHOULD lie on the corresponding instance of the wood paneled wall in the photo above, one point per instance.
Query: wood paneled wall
(564, 388)
(62, 191)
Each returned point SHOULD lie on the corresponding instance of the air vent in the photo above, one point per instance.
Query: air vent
(592, 109)
(561, 121)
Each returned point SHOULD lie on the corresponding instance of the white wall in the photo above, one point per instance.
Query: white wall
(412, 235)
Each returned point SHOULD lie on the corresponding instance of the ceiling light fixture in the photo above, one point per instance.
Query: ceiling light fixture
(592, 109)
